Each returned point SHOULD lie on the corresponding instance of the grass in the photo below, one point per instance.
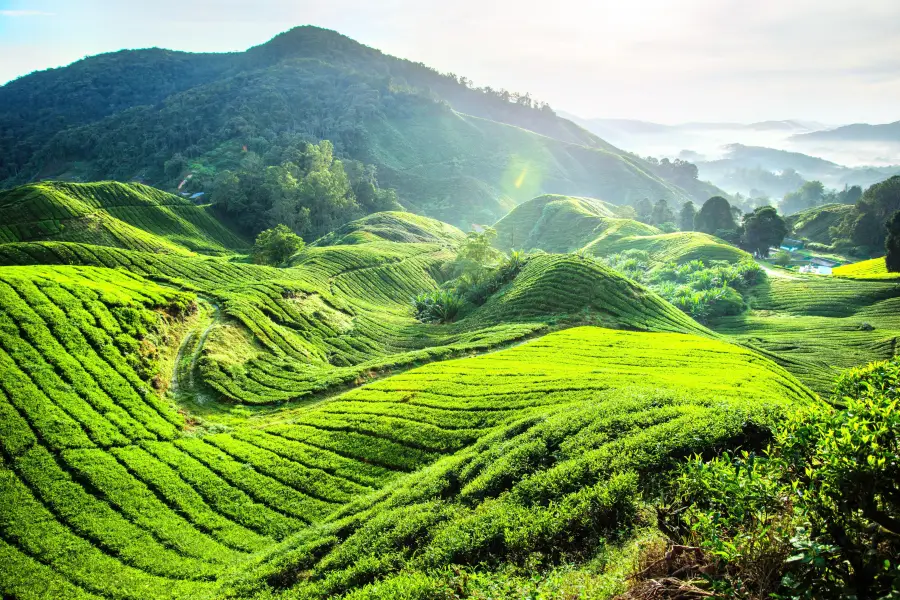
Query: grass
(394, 226)
(131, 216)
(868, 269)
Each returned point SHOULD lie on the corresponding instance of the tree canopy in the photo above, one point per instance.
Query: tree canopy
(715, 215)
(763, 229)
(274, 246)
(892, 243)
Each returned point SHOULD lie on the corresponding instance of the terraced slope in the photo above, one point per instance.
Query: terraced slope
(343, 314)
(679, 247)
(393, 226)
(814, 223)
(874, 268)
(817, 326)
(106, 492)
(564, 224)
(131, 216)
(554, 223)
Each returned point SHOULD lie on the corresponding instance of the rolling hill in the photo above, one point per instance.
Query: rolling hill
(132, 216)
(452, 152)
(565, 224)
(815, 223)
(174, 425)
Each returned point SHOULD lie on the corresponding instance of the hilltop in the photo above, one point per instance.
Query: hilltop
(451, 151)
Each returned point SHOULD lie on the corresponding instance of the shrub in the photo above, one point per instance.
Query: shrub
(782, 258)
(441, 306)
(818, 514)
(274, 246)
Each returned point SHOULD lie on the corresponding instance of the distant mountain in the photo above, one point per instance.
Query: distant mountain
(859, 132)
(775, 172)
(453, 152)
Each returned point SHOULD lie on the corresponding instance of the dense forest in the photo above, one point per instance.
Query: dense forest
(429, 135)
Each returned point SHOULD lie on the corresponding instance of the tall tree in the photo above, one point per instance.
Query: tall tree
(763, 229)
(644, 209)
(715, 215)
(661, 213)
(687, 215)
(892, 243)
(810, 194)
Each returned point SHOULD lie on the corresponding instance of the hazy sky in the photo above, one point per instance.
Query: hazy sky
(834, 61)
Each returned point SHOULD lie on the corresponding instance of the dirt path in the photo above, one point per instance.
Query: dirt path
(192, 344)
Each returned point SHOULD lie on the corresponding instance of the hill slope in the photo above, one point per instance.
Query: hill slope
(107, 491)
(131, 216)
(564, 224)
(453, 152)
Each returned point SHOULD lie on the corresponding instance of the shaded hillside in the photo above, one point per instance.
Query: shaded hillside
(132, 216)
(815, 223)
(451, 151)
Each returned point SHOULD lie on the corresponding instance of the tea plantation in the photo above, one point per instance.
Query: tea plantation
(132, 216)
(182, 426)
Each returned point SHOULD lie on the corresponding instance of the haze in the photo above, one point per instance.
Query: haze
(830, 61)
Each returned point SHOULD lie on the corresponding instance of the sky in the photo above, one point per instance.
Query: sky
(668, 61)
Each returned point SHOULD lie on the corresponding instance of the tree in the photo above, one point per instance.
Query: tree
(274, 246)
(763, 229)
(810, 194)
(661, 213)
(715, 215)
(687, 215)
(892, 243)
(644, 210)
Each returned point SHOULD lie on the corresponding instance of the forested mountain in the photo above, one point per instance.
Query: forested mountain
(460, 153)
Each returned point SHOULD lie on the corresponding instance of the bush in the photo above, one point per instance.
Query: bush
(818, 514)
(274, 246)
(441, 306)
(782, 258)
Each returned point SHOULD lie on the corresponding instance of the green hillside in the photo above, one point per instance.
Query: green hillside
(132, 216)
(874, 268)
(393, 227)
(184, 426)
(817, 326)
(553, 223)
(452, 152)
(679, 247)
(111, 490)
(815, 223)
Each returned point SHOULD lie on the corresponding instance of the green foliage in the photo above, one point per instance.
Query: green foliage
(892, 243)
(810, 194)
(686, 216)
(782, 258)
(715, 215)
(439, 306)
(275, 246)
(817, 514)
(311, 192)
(863, 226)
(661, 213)
(703, 292)
(763, 229)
